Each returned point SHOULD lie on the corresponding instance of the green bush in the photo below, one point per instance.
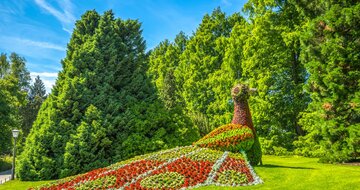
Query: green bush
(254, 154)
(5, 163)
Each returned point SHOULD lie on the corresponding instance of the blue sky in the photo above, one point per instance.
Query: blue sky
(40, 29)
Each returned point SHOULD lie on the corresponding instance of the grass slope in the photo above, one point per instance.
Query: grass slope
(278, 173)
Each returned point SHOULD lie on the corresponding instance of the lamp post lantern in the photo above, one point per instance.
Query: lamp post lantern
(15, 134)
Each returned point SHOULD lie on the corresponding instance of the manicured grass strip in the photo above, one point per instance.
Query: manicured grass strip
(21, 185)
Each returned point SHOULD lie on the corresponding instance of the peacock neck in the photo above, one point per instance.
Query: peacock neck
(242, 114)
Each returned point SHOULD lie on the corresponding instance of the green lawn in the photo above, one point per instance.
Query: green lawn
(280, 173)
(17, 185)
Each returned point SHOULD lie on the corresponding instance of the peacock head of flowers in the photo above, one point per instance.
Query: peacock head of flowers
(240, 92)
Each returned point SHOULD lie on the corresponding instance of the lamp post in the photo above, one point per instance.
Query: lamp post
(15, 134)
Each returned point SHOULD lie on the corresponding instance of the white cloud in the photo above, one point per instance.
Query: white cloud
(226, 2)
(48, 84)
(43, 74)
(65, 16)
(45, 45)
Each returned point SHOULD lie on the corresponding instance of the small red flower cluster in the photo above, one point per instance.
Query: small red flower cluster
(236, 165)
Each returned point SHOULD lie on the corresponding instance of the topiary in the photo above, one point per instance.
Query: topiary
(240, 134)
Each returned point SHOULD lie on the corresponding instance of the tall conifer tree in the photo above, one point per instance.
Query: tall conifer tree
(102, 91)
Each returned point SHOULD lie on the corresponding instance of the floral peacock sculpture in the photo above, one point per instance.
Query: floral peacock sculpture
(240, 134)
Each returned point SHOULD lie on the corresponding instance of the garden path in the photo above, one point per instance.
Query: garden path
(5, 176)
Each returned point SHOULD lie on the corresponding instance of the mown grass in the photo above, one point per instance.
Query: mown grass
(302, 173)
(5, 163)
(278, 173)
(19, 185)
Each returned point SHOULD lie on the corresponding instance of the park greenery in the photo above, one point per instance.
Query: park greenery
(277, 172)
(113, 100)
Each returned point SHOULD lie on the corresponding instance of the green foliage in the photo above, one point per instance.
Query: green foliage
(5, 162)
(14, 82)
(102, 108)
(271, 63)
(202, 87)
(330, 51)
(254, 154)
(263, 52)
(35, 97)
(88, 147)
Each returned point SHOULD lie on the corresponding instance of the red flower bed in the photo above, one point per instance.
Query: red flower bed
(194, 172)
(174, 169)
(123, 175)
(77, 179)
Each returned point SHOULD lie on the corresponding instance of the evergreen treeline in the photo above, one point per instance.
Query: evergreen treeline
(303, 58)
(102, 108)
